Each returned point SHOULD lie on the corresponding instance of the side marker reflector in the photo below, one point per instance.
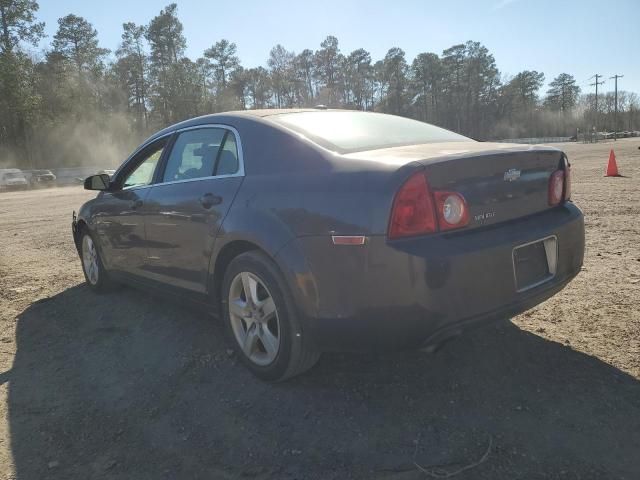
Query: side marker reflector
(348, 239)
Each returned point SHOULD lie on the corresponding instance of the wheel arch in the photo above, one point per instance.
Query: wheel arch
(222, 260)
(288, 259)
(79, 227)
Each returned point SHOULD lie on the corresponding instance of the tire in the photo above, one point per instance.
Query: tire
(95, 274)
(264, 331)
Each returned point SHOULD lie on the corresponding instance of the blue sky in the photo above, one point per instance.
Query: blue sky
(577, 37)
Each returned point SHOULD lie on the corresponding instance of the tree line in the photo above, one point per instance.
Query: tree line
(81, 103)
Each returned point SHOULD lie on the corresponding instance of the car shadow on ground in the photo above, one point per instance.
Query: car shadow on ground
(127, 385)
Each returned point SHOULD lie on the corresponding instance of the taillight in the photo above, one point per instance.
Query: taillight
(417, 210)
(413, 210)
(556, 187)
(452, 210)
(567, 179)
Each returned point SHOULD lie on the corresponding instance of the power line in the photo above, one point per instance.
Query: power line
(596, 76)
(615, 117)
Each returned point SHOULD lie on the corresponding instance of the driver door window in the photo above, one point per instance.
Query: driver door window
(194, 154)
(142, 174)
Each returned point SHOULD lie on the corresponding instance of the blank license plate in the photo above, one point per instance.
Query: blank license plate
(535, 263)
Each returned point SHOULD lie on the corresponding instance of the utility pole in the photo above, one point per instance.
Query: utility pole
(596, 76)
(615, 116)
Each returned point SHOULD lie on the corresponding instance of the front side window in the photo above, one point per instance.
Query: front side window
(143, 173)
(194, 154)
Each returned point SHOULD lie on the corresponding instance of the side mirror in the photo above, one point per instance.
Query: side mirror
(97, 182)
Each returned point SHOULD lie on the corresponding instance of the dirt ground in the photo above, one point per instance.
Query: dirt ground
(128, 385)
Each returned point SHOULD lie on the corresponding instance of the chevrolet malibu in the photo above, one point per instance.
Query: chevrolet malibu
(319, 230)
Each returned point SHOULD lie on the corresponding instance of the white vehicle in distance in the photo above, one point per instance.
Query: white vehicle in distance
(109, 172)
(13, 179)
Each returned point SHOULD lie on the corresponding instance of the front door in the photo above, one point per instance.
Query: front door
(120, 222)
(185, 209)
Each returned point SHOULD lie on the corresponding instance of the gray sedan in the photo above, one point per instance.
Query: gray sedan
(315, 230)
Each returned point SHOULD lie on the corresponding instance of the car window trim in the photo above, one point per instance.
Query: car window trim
(228, 128)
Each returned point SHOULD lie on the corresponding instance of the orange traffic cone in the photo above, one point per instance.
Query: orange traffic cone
(612, 166)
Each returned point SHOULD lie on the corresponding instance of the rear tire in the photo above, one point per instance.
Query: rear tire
(261, 321)
(95, 274)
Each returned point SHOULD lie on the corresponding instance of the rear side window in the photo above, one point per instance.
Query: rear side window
(194, 154)
(228, 163)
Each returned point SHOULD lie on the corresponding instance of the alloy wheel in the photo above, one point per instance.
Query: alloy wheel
(254, 318)
(90, 259)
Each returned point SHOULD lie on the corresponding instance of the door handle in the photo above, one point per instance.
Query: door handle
(136, 204)
(208, 200)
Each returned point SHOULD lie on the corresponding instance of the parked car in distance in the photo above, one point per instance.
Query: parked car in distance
(13, 179)
(42, 178)
(107, 172)
(320, 230)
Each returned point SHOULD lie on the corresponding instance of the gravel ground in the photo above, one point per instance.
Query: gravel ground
(128, 385)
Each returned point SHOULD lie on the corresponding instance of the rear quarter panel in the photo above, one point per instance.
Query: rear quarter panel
(294, 189)
(294, 186)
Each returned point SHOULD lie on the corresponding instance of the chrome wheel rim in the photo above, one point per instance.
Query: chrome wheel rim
(254, 318)
(90, 259)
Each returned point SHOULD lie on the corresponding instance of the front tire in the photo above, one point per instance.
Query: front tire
(260, 319)
(95, 274)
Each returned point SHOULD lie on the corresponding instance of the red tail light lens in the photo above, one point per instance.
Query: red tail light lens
(556, 187)
(413, 211)
(452, 210)
(567, 179)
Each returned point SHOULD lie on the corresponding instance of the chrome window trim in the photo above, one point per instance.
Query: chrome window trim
(187, 180)
(236, 134)
(134, 187)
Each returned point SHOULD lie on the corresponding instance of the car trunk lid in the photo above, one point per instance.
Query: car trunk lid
(498, 186)
(498, 181)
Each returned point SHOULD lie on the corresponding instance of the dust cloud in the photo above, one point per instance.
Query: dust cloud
(541, 123)
(98, 140)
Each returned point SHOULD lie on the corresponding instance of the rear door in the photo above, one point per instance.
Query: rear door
(198, 183)
(120, 221)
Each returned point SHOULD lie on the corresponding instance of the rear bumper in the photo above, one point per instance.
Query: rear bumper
(415, 292)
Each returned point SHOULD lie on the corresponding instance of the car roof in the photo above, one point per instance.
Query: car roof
(258, 114)
(266, 112)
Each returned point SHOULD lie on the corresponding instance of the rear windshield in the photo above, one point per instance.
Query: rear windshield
(347, 132)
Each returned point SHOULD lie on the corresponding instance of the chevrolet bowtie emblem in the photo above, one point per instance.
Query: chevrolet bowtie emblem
(511, 175)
